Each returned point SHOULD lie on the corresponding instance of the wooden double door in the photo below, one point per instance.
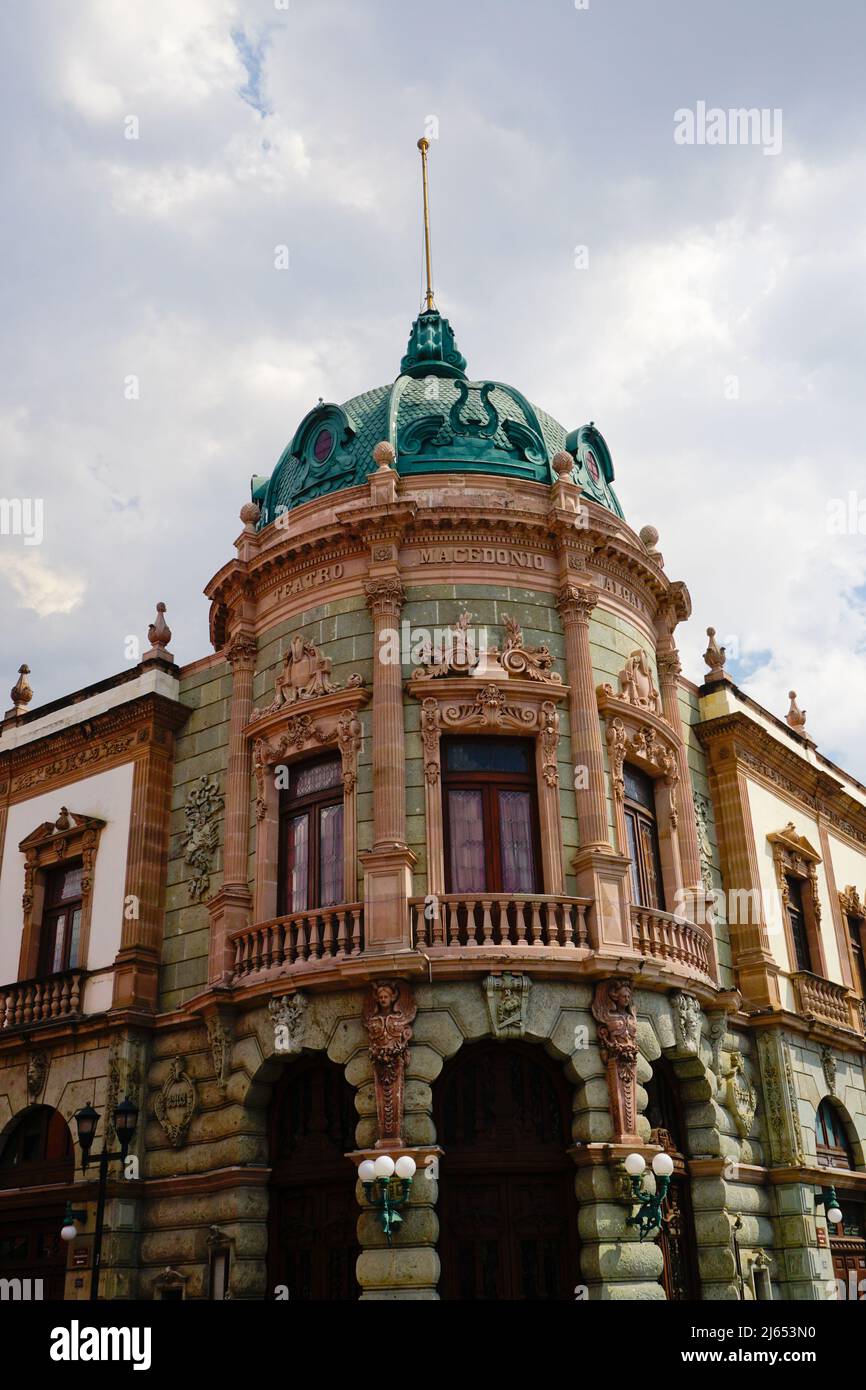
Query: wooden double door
(313, 1213)
(507, 1207)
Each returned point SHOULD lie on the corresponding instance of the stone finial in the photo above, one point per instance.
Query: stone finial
(796, 717)
(63, 822)
(159, 636)
(21, 692)
(650, 537)
(715, 658)
(250, 515)
(562, 463)
(383, 455)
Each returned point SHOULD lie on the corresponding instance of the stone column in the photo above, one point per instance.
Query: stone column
(602, 873)
(575, 603)
(388, 866)
(669, 668)
(231, 908)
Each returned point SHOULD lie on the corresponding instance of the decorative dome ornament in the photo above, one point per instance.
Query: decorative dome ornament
(250, 515)
(22, 691)
(796, 717)
(562, 463)
(714, 656)
(384, 456)
(650, 537)
(159, 636)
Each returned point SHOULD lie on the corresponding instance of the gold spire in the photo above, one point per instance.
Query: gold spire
(424, 145)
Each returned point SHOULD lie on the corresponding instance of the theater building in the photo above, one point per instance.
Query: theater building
(434, 852)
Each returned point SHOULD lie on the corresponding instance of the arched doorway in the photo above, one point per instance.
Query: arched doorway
(848, 1238)
(36, 1153)
(312, 1240)
(507, 1209)
(680, 1277)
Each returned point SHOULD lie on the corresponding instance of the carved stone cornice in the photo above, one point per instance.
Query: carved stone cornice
(97, 741)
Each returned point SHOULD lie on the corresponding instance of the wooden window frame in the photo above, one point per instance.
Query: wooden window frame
(643, 813)
(310, 805)
(489, 784)
(831, 1151)
(854, 921)
(70, 840)
(795, 857)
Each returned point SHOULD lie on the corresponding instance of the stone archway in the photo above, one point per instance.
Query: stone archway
(507, 1211)
(664, 1111)
(312, 1211)
(37, 1160)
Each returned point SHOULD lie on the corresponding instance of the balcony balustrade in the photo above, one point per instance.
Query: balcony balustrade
(301, 938)
(663, 937)
(499, 919)
(828, 1002)
(29, 1002)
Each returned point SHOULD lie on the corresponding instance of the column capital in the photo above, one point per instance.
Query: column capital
(668, 664)
(241, 652)
(385, 596)
(575, 602)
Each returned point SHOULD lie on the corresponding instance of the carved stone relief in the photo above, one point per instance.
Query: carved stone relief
(176, 1103)
(514, 658)
(201, 837)
(288, 1014)
(741, 1098)
(37, 1072)
(220, 1036)
(389, 1012)
(507, 998)
(780, 1095)
(828, 1066)
(614, 1012)
(688, 1021)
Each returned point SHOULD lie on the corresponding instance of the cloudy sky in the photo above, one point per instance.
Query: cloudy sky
(153, 358)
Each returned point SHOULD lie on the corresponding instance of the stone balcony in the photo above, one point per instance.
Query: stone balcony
(827, 1002)
(51, 998)
(458, 933)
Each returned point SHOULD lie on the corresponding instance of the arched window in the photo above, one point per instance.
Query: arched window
(311, 836)
(833, 1148)
(38, 1150)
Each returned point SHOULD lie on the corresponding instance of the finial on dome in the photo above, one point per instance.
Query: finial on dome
(714, 656)
(796, 717)
(159, 636)
(562, 463)
(383, 455)
(650, 537)
(21, 692)
(250, 515)
(424, 145)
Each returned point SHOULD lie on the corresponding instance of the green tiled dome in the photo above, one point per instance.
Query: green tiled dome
(438, 421)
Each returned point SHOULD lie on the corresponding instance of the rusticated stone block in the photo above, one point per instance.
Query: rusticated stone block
(621, 1261)
(437, 1029)
(420, 1227)
(424, 1063)
(413, 1267)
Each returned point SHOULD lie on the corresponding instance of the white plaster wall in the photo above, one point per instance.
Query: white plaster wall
(107, 795)
(849, 865)
(771, 813)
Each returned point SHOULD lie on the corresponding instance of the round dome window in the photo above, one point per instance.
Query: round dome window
(323, 445)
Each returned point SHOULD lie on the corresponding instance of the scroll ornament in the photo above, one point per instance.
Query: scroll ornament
(201, 837)
(176, 1103)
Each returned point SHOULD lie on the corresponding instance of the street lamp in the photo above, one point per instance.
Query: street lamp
(828, 1200)
(387, 1201)
(87, 1119)
(649, 1216)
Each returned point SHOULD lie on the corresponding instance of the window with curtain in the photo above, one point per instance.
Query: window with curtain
(60, 934)
(311, 837)
(797, 921)
(491, 820)
(643, 840)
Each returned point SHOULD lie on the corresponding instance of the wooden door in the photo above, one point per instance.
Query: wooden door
(313, 1213)
(507, 1209)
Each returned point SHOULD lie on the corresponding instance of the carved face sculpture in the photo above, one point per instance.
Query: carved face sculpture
(386, 998)
(620, 997)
